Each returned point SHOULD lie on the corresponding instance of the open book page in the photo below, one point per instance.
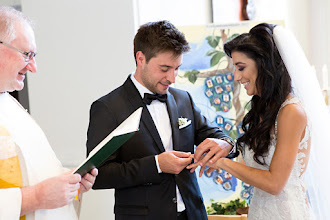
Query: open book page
(131, 124)
(112, 142)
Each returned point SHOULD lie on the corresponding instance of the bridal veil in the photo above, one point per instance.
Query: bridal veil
(307, 89)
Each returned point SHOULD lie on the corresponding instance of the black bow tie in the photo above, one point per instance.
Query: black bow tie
(148, 98)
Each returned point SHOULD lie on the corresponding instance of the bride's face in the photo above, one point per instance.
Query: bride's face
(246, 72)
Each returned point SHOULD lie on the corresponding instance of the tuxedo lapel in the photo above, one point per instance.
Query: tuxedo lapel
(136, 101)
(173, 114)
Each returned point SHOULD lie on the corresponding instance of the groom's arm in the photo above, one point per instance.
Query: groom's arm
(116, 173)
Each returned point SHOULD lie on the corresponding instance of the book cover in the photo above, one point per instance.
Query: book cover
(111, 143)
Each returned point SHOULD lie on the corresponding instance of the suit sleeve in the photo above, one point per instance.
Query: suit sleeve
(115, 173)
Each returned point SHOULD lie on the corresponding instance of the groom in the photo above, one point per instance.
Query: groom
(148, 171)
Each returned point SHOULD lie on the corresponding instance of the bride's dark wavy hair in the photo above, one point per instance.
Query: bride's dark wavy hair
(273, 85)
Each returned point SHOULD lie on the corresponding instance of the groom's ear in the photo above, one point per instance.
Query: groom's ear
(140, 59)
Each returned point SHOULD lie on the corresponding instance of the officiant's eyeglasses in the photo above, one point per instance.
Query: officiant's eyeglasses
(27, 55)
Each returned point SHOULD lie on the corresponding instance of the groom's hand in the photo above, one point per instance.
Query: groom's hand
(209, 151)
(173, 161)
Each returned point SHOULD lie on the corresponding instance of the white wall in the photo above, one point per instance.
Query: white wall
(182, 12)
(85, 50)
(298, 19)
(320, 35)
(310, 22)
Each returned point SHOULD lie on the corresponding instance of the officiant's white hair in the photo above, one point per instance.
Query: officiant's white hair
(8, 18)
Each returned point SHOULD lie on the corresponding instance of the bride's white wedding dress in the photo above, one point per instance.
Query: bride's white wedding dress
(292, 203)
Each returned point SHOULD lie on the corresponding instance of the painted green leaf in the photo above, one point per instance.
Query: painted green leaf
(247, 106)
(232, 37)
(216, 58)
(192, 77)
(186, 74)
(211, 52)
(213, 40)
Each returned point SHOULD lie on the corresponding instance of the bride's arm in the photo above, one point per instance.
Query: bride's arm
(291, 125)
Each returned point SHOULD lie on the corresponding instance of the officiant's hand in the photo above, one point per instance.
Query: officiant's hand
(57, 191)
(173, 161)
(88, 181)
(51, 193)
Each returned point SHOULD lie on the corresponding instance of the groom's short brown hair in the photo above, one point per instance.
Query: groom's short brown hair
(161, 36)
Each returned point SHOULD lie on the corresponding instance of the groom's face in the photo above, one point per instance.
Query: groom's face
(160, 72)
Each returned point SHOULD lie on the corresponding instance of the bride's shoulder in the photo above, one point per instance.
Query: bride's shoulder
(292, 113)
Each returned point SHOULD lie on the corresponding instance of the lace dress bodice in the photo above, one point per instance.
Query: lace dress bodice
(291, 203)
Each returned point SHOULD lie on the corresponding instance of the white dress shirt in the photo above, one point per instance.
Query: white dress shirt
(159, 114)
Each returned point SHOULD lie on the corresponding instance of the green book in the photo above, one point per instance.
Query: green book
(111, 143)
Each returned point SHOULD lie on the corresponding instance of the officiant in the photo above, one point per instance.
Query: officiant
(148, 172)
(33, 183)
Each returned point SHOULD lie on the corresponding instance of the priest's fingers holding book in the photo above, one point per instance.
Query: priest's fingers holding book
(88, 180)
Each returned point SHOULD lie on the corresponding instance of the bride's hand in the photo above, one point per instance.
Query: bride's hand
(208, 152)
(212, 166)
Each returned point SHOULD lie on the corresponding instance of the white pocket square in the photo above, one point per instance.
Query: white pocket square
(183, 122)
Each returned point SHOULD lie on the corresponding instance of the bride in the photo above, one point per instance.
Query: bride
(283, 130)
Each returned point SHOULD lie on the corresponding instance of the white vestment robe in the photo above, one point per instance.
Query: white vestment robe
(21, 137)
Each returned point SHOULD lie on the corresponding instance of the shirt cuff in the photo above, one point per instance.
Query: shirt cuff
(157, 164)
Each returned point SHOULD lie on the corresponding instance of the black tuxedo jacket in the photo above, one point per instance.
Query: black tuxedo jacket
(140, 191)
